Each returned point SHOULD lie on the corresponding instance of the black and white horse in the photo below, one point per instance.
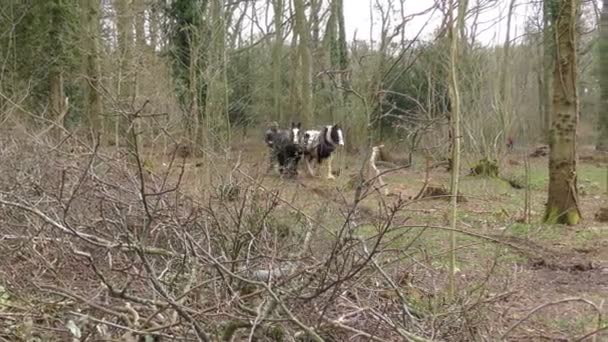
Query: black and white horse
(285, 147)
(320, 145)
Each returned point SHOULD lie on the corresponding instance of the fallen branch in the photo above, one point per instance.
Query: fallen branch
(542, 306)
(92, 239)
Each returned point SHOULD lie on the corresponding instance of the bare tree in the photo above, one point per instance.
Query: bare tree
(455, 129)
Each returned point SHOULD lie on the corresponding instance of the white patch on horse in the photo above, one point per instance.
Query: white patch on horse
(328, 135)
(296, 134)
(310, 137)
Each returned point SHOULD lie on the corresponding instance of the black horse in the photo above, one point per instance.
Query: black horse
(286, 148)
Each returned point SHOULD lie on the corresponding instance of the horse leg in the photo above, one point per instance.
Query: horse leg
(330, 174)
(272, 160)
(311, 172)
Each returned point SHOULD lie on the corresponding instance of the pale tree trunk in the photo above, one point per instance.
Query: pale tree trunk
(505, 79)
(462, 28)
(193, 124)
(315, 48)
(562, 204)
(602, 144)
(216, 104)
(57, 105)
(294, 60)
(315, 8)
(301, 27)
(542, 98)
(330, 42)
(153, 30)
(548, 47)
(335, 42)
(343, 52)
(295, 101)
(90, 23)
(139, 61)
(140, 30)
(376, 84)
(124, 28)
(455, 128)
(56, 94)
(276, 59)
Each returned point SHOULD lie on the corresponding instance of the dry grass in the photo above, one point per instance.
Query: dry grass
(194, 252)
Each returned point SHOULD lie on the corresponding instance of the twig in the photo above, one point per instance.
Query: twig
(200, 332)
(542, 306)
(92, 239)
(122, 327)
(593, 333)
(312, 334)
(390, 281)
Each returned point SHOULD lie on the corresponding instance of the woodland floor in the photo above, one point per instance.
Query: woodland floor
(532, 265)
(534, 281)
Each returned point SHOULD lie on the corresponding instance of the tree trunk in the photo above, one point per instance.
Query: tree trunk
(548, 47)
(301, 27)
(216, 105)
(90, 21)
(455, 129)
(295, 101)
(315, 8)
(335, 44)
(464, 4)
(124, 28)
(602, 144)
(140, 30)
(56, 94)
(343, 50)
(193, 124)
(314, 43)
(57, 54)
(153, 31)
(505, 79)
(276, 59)
(562, 204)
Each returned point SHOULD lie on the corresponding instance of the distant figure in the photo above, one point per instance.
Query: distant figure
(510, 143)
